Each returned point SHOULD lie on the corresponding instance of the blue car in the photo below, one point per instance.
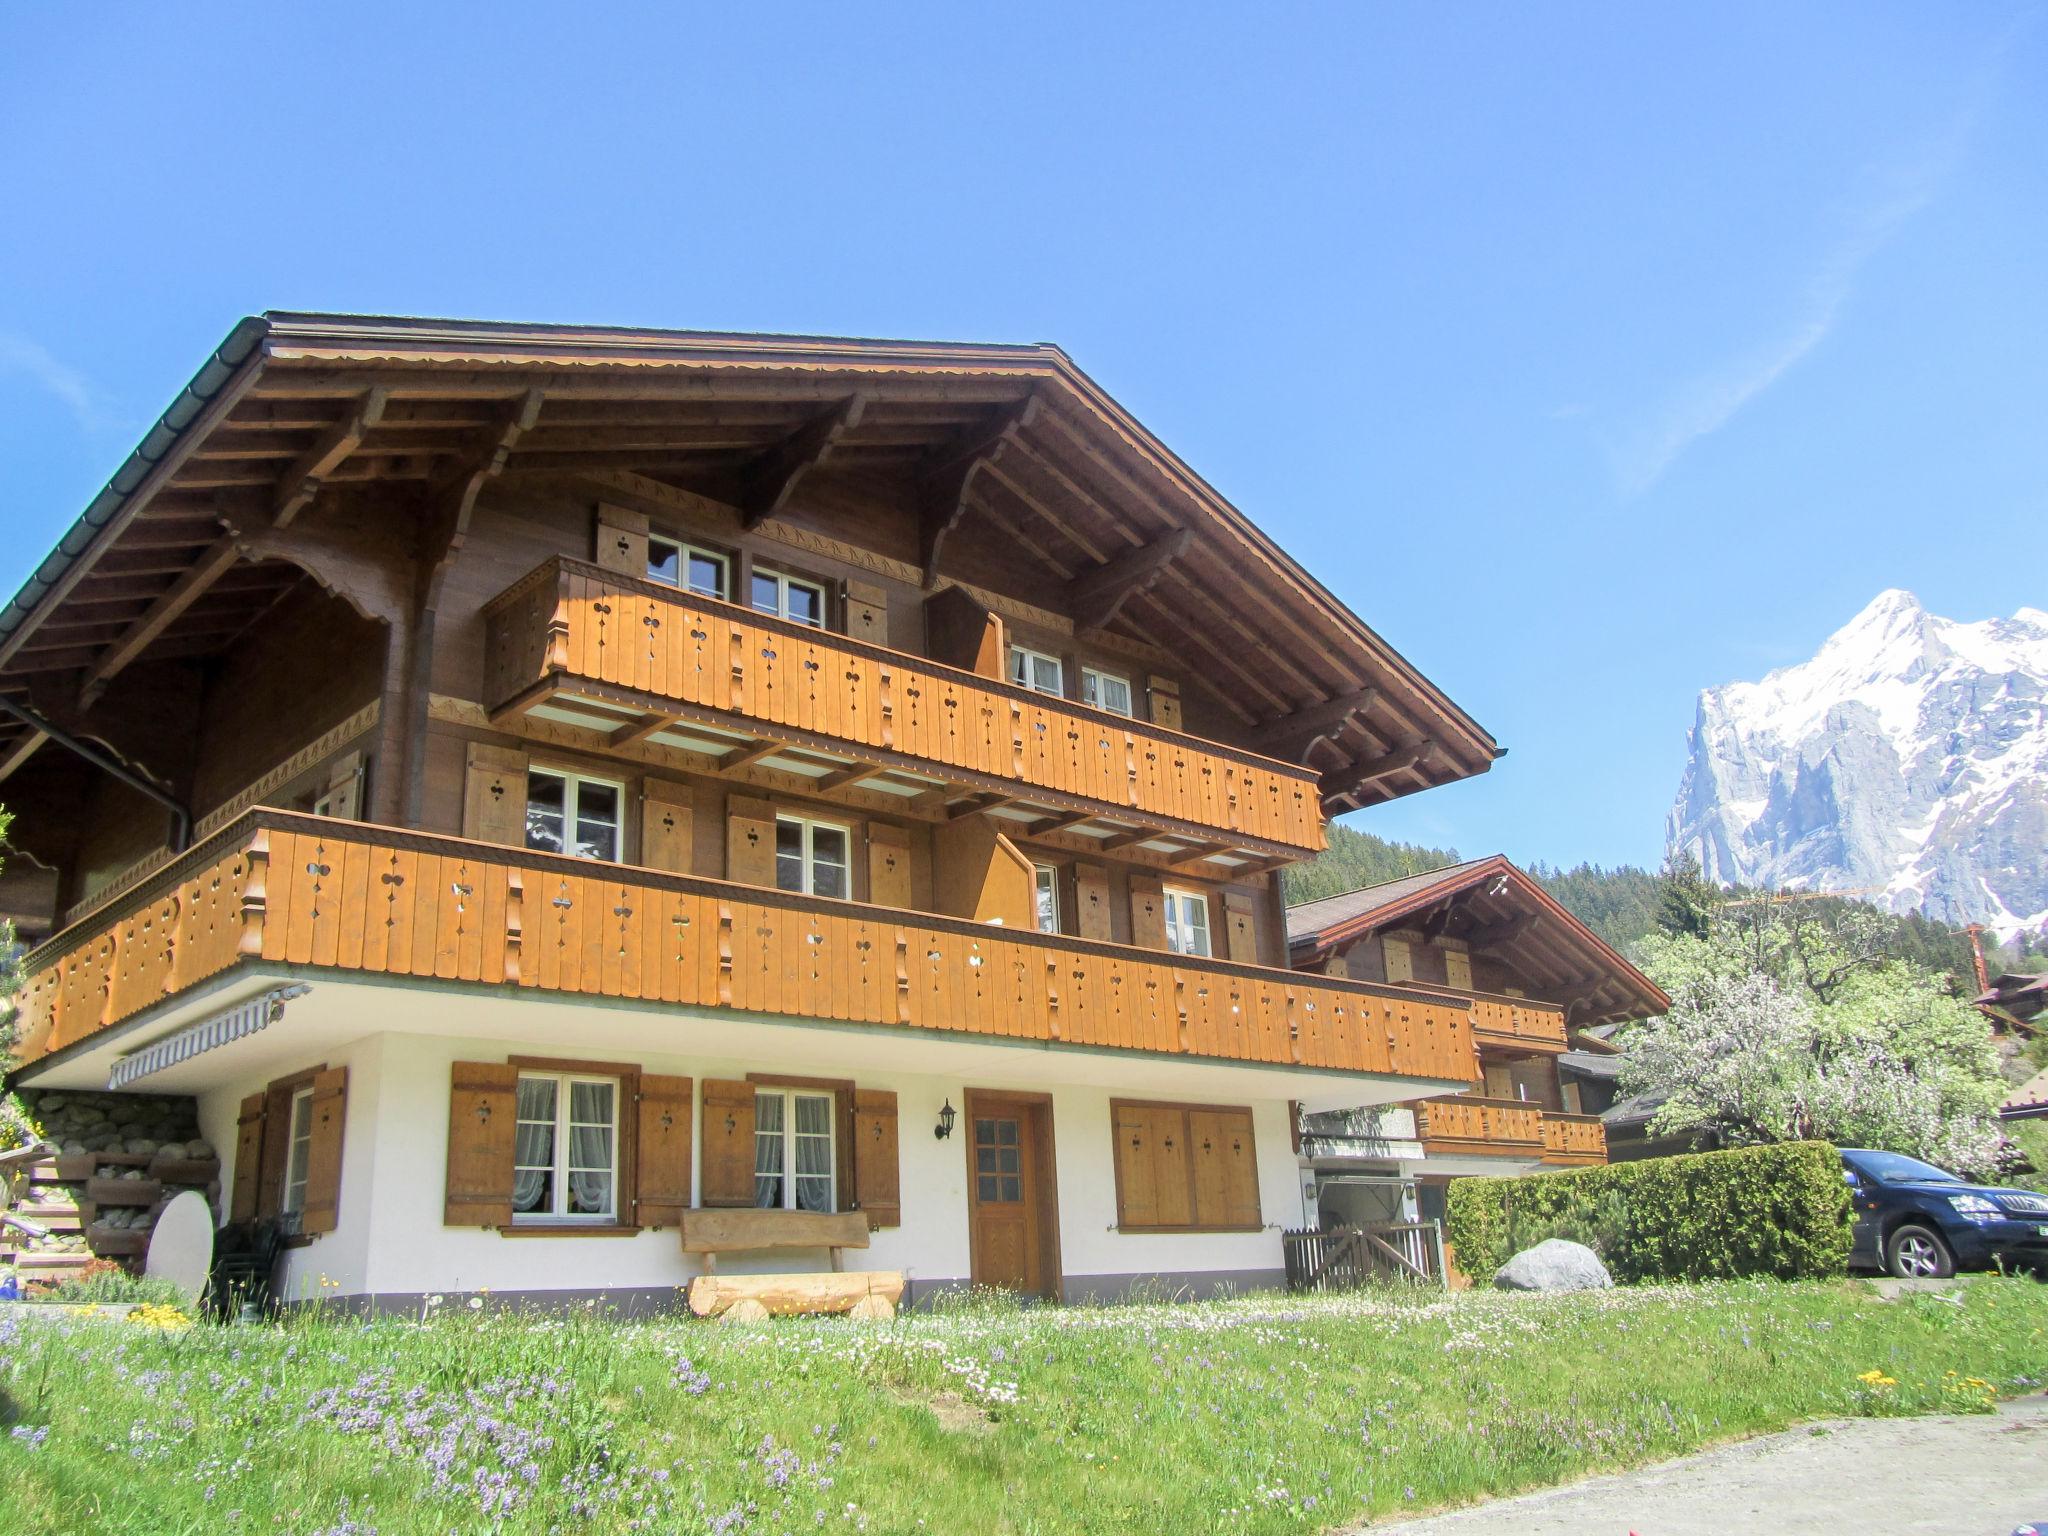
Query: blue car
(1919, 1223)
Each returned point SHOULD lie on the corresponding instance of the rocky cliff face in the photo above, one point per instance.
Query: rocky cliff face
(1908, 760)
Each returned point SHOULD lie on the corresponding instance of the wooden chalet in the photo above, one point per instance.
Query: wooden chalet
(638, 788)
(1538, 981)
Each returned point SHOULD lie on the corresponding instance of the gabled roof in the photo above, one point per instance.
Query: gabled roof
(1000, 463)
(2027, 1100)
(1500, 909)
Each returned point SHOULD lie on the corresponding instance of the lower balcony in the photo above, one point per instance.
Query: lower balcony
(1573, 1140)
(1465, 1126)
(277, 892)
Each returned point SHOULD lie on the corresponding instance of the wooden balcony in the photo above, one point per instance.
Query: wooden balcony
(275, 888)
(1573, 1140)
(1467, 1126)
(629, 660)
(1518, 1024)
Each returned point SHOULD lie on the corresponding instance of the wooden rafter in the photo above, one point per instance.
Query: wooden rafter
(851, 774)
(641, 729)
(1357, 776)
(752, 753)
(946, 478)
(301, 483)
(21, 752)
(767, 484)
(979, 804)
(1290, 737)
(1093, 597)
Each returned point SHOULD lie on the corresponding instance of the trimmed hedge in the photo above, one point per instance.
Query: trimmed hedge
(1778, 1210)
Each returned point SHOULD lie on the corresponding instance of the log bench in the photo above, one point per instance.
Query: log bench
(708, 1233)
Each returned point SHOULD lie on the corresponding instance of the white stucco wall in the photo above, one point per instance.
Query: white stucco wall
(389, 1240)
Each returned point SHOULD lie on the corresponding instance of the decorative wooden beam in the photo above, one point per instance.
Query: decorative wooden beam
(302, 482)
(943, 481)
(641, 729)
(217, 559)
(979, 804)
(767, 484)
(1290, 737)
(1061, 823)
(1343, 783)
(24, 749)
(1126, 839)
(751, 754)
(853, 773)
(1199, 855)
(1093, 597)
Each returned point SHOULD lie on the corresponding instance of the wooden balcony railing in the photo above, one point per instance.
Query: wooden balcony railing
(1573, 1139)
(276, 887)
(1507, 1127)
(569, 622)
(1517, 1023)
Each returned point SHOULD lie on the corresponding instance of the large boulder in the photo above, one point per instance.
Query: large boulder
(1554, 1265)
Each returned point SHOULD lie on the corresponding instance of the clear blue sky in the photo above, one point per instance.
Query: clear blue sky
(1593, 355)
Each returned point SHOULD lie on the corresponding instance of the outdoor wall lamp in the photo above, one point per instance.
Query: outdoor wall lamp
(945, 1126)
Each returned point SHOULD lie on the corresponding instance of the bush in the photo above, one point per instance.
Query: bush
(1779, 1210)
(113, 1284)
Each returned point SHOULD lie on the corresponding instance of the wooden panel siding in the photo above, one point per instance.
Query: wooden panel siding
(569, 622)
(280, 887)
(1468, 1124)
(1573, 1139)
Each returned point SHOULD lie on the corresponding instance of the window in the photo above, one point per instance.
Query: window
(1037, 671)
(565, 1153)
(810, 857)
(298, 1160)
(1105, 690)
(567, 813)
(794, 1150)
(1046, 878)
(998, 1162)
(686, 566)
(1187, 921)
(789, 597)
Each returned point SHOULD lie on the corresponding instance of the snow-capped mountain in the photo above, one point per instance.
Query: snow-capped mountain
(1908, 761)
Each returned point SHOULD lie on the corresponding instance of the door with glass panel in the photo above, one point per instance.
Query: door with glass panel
(1013, 1215)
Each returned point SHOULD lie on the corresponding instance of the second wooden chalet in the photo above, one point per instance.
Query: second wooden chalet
(1537, 980)
(573, 807)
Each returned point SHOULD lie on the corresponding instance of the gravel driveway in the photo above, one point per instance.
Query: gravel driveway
(1978, 1475)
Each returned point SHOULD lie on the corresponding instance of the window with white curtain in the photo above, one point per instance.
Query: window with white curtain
(565, 1154)
(1187, 921)
(1105, 690)
(1046, 880)
(810, 857)
(794, 1150)
(568, 813)
(298, 1153)
(1037, 671)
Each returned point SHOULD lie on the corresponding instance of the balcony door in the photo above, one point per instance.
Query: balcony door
(1012, 1199)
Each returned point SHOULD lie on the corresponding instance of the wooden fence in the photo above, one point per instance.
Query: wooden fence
(1344, 1258)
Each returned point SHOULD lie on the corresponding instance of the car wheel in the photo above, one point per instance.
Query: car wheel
(1915, 1252)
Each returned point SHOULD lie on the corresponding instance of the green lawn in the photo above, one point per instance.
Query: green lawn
(1261, 1415)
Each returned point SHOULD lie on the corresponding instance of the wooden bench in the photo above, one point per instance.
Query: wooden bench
(711, 1232)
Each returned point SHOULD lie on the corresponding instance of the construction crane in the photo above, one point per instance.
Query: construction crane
(1775, 898)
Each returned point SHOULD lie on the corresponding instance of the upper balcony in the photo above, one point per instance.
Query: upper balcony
(313, 895)
(1519, 1025)
(1573, 1140)
(724, 686)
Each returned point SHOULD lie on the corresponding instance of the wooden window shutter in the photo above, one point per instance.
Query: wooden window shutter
(323, 1156)
(621, 540)
(1091, 900)
(1400, 959)
(663, 1191)
(248, 1158)
(483, 1115)
(728, 1165)
(494, 795)
(749, 842)
(1164, 693)
(877, 1181)
(345, 787)
(1241, 927)
(1226, 1168)
(1458, 969)
(1148, 913)
(1151, 1166)
(888, 865)
(867, 612)
(277, 1138)
(668, 827)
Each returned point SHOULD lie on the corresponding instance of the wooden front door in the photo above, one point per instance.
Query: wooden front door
(1012, 1208)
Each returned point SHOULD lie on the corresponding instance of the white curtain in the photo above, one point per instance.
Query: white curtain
(813, 1153)
(533, 1148)
(590, 1149)
(768, 1150)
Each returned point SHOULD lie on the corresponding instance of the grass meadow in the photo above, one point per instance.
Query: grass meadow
(1261, 1414)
